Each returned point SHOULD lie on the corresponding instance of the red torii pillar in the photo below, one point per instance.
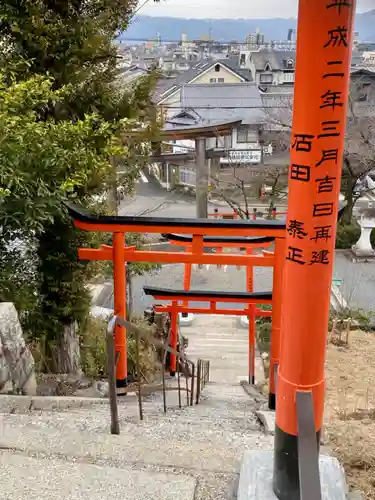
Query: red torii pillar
(324, 42)
(119, 286)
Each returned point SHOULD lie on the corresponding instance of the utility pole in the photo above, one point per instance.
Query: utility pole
(201, 178)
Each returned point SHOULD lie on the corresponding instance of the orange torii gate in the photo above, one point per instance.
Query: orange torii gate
(219, 243)
(202, 232)
(180, 303)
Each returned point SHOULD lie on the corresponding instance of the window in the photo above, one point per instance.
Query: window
(266, 78)
(213, 80)
(288, 63)
(220, 80)
(217, 68)
(267, 67)
(243, 133)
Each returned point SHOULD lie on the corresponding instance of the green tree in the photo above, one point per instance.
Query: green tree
(78, 123)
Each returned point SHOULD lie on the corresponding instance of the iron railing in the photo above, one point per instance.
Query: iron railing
(200, 376)
(203, 376)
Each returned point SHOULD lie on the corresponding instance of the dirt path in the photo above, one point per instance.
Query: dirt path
(350, 409)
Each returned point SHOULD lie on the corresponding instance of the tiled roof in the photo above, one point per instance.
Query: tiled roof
(234, 101)
(194, 71)
(275, 58)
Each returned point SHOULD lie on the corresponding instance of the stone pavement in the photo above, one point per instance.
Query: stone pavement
(223, 341)
(189, 453)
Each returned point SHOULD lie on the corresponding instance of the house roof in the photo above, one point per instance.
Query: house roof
(363, 70)
(232, 101)
(232, 62)
(275, 58)
(189, 75)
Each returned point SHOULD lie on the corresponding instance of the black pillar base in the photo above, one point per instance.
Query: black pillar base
(252, 380)
(271, 401)
(286, 470)
(172, 373)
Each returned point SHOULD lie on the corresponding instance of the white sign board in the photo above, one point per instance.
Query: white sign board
(242, 156)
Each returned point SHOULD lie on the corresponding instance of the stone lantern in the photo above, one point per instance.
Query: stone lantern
(363, 249)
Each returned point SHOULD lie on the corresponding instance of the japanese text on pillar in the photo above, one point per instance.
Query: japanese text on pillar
(328, 141)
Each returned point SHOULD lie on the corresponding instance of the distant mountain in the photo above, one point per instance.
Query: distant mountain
(170, 28)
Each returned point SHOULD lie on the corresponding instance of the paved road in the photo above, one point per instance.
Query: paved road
(153, 200)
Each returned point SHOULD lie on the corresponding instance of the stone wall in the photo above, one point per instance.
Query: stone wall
(16, 361)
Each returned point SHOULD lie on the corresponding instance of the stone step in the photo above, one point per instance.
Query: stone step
(26, 477)
(152, 442)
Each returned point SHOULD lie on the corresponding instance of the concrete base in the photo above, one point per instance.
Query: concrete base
(360, 258)
(25, 478)
(256, 477)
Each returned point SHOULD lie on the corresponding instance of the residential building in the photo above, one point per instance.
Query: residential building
(271, 67)
(363, 89)
(205, 105)
(168, 94)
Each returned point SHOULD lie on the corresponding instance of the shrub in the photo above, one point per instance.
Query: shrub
(94, 355)
(264, 337)
(93, 347)
(347, 235)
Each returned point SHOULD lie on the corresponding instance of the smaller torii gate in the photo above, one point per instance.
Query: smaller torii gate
(179, 298)
(219, 244)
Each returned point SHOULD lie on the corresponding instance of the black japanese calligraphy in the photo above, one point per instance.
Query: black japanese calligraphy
(334, 75)
(329, 129)
(320, 257)
(337, 37)
(296, 229)
(334, 63)
(326, 184)
(329, 155)
(302, 142)
(322, 209)
(300, 173)
(322, 233)
(295, 255)
(340, 5)
(331, 99)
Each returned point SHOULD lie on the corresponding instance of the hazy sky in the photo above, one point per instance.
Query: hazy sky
(250, 9)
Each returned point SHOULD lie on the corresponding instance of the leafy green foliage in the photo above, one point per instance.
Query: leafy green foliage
(347, 235)
(94, 354)
(42, 162)
(65, 122)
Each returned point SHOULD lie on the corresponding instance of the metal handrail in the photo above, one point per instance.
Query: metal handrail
(112, 362)
(203, 376)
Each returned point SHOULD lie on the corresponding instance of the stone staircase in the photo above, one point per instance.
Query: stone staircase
(188, 453)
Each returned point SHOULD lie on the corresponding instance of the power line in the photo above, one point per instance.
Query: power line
(140, 7)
